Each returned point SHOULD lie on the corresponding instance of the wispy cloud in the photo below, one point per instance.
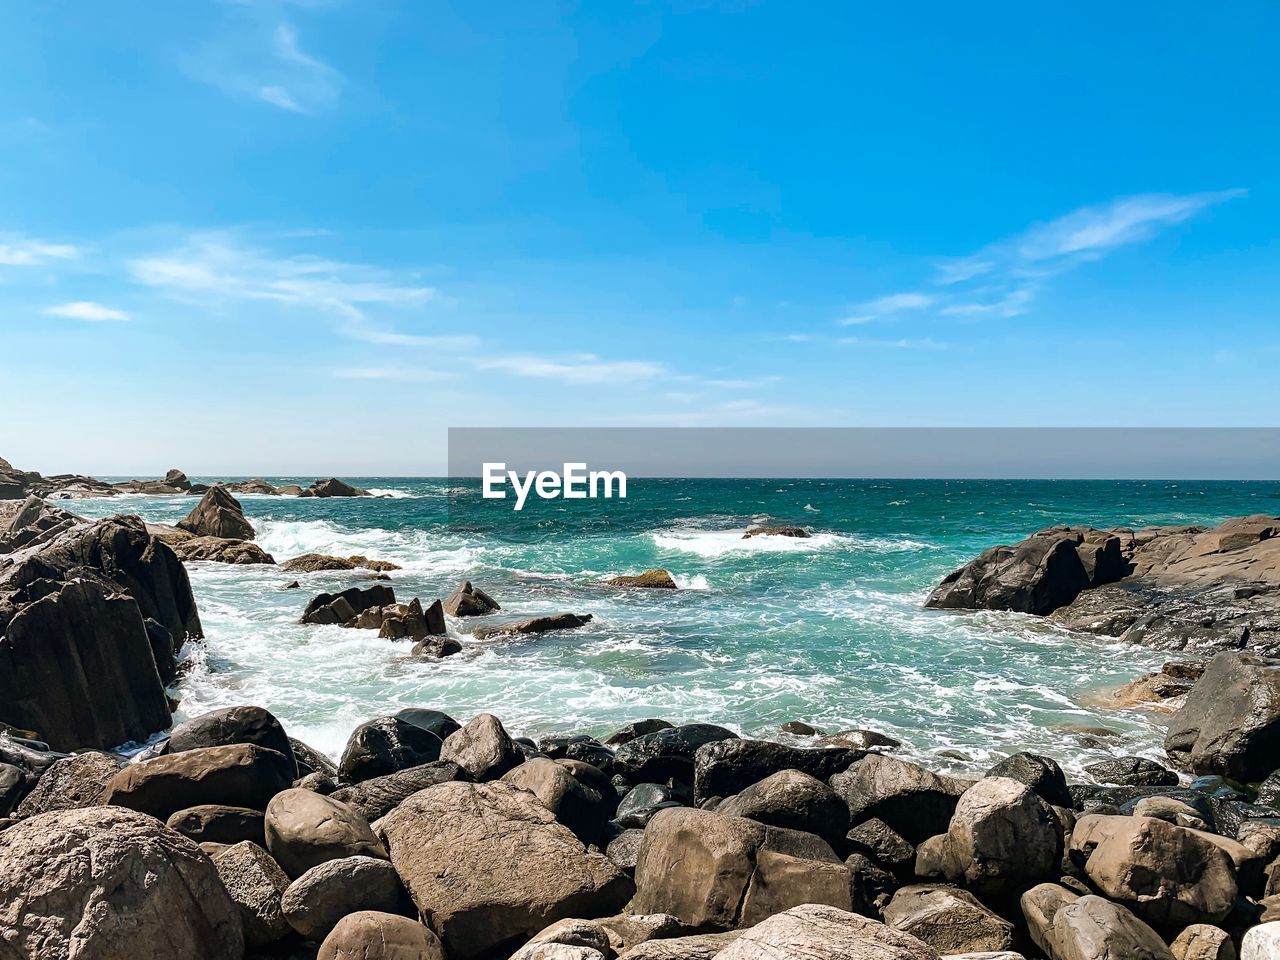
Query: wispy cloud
(391, 338)
(902, 343)
(744, 383)
(86, 310)
(20, 251)
(398, 374)
(267, 64)
(578, 370)
(890, 304)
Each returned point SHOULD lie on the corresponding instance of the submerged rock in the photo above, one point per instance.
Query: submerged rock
(221, 550)
(777, 531)
(654, 579)
(555, 621)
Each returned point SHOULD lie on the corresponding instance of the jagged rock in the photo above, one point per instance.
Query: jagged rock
(885, 846)
(578, 807)
(71, 783)
(1230, 722)
(315, 902)
(413, 623)
(315, 562)
(469, 601)
(260, 487)
(819, 932)
(948, 919)
(111, 884)
(221, 550)
(219, 823)
(341, 608)
(728, 765)
(378, 796)
(1201, 941)
(1156, 690)
(776, 531)
(36, 521)
(239, 775)
(482, 748)
(790, 798)
(637, 729)
(448, 842)
(1092, 928)
(667, 755)
(370, 935)
(255, 883)
(1167, 875)
(436, 648)
(1132, 772)
(384, 746)
(333, 487)
(915, 802)
(304, 829)
(220, 728)
(1002, 836)
(555, 621)
(218, 514)
(1041, 774)
(657, 578)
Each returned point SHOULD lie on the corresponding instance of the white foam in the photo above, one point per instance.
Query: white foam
(413, 549)
(718, 543)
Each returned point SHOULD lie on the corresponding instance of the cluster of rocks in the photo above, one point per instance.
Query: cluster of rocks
(799, 533)
(18, 484)
(1179, 588)
(433, 840)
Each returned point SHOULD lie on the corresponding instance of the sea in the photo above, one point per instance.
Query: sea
(830, 630)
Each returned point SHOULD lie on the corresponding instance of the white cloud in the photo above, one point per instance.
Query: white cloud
(1009, 303)
(266, 64)
(582, 369)
(401, 374)
(450, 342)
(744, 383)
(903, 343)
(86, 310)
(19, 251)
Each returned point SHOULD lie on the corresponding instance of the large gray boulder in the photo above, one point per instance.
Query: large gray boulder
(449, 842)
(218, 514)
(915, 802)
(238, 775)
(219, 728)
(819, 932)
(315, 902)
(1093, 928)
(579, 807)
(1002, 836)
(305, 829)
(384, 746)
(1230, 721)
(110, 884)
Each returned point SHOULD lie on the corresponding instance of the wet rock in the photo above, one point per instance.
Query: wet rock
(218, 514)
(255, 883)
(311, 760)
(641, 802)
(666, 755)
(578, 747)
(71, 783)
(555, 621)
(948, 919)
(238, 775)
(304, 829)
(777, 531)
(1230, 722)
(1041, 774)
(728, 765)
(436, 648)
(333, 487)
(482, 748)
(790, 798)
(1132, 772)
(657, 579)
(819, 932)
(315, 902)
(113, 884)
(634, 730)
(884, 845)
(220, 728)
(413, 623)
(370, 935)
(385, 746)
(340, 608)
(913, 801)
(798, 728)
(859, 740)
(469, 601)
(477, 832)
(378, 796)
(218, 823)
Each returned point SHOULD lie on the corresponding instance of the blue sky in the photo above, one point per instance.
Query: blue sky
(270, 237)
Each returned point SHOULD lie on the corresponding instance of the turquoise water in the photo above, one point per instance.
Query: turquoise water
(828, 630)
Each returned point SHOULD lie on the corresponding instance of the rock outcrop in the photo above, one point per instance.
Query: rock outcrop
(218, 514)
(469, 601)
(656, 579)
(555, 621)
(333, 487)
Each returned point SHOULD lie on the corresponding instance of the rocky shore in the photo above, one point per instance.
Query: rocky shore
(431, 838)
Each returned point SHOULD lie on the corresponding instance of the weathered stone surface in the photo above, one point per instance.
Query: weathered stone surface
(1230, 722)
(1167, 875)
(819, 932)
(255, 883)
(792, 799)
(1201, 941)
(656, 579)
(71, 783)
(1261, 943)
(315, 902)
(728, 765)
(238, 775)
(378, 796)
(578, 807)
(701, 946)
(448, 842)
(624, 849)
(385, 746)
(855, 739)
(637, 729)
(948, 919)
(217, 823)
(36, 521)
(1002, 836)
(1041, 774)
(218, 514)
(876, 839)
(1132, 772)
(469, 601)
(916, 803)
(305, 829)
(340, 608)
(370, 935)
(1092, 928)
(554, 621)
(220, 550)
(1039, 906)
(220, 728)
(110, 884)
(482, 748)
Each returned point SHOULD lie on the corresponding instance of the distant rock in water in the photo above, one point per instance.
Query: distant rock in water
(176, 478)
(556, 621)
(329, 608)
(798, 532)
(469, 601)
(221, 550)
(333, 487)
(657, 579)
(315, 562)
(218, 514)
(252, 486)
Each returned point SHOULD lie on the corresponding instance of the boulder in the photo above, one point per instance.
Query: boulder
(238, 775)
(1230, 722)
(176, 478)
(885, 846)
(316, 562)
(1132, 772)
(304, 829)
(819, 932)
(482, 748)
(1039, 906)
(728, 765)
(218, 823)
(1002, 836)
(1167, 875)
(656, 579)
(448, 842)
(333, 487)
(340, 608)
(378, 796)
(469, 601)
(370, 935)
(71, 783)
(385, 746)
(315, 902)
(859, 740)
(790, 798)
(777, 531)
(255, 883)
(218, 514)
(1041, 774)
(1201, 941)
(1092, 928)
(637, 729)
(578, 747)
(913, 801)
(699, 946)
(578, 807)
(111, 884)
(221, 550)
(667, 755)
(585, 935)
(624, 850)
(220, 728)
(638, 806)
(554, 621)
(948, 919)
(436, 647)
(1168, 809)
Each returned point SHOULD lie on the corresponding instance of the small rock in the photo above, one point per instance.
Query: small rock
(555, 621)
(370, 935)
(777, 531)
(469, 601)
(657, 579)
(483, 748)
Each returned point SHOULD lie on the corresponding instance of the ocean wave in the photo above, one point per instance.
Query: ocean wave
(718, 543)
(391, 493)
(412, 549)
